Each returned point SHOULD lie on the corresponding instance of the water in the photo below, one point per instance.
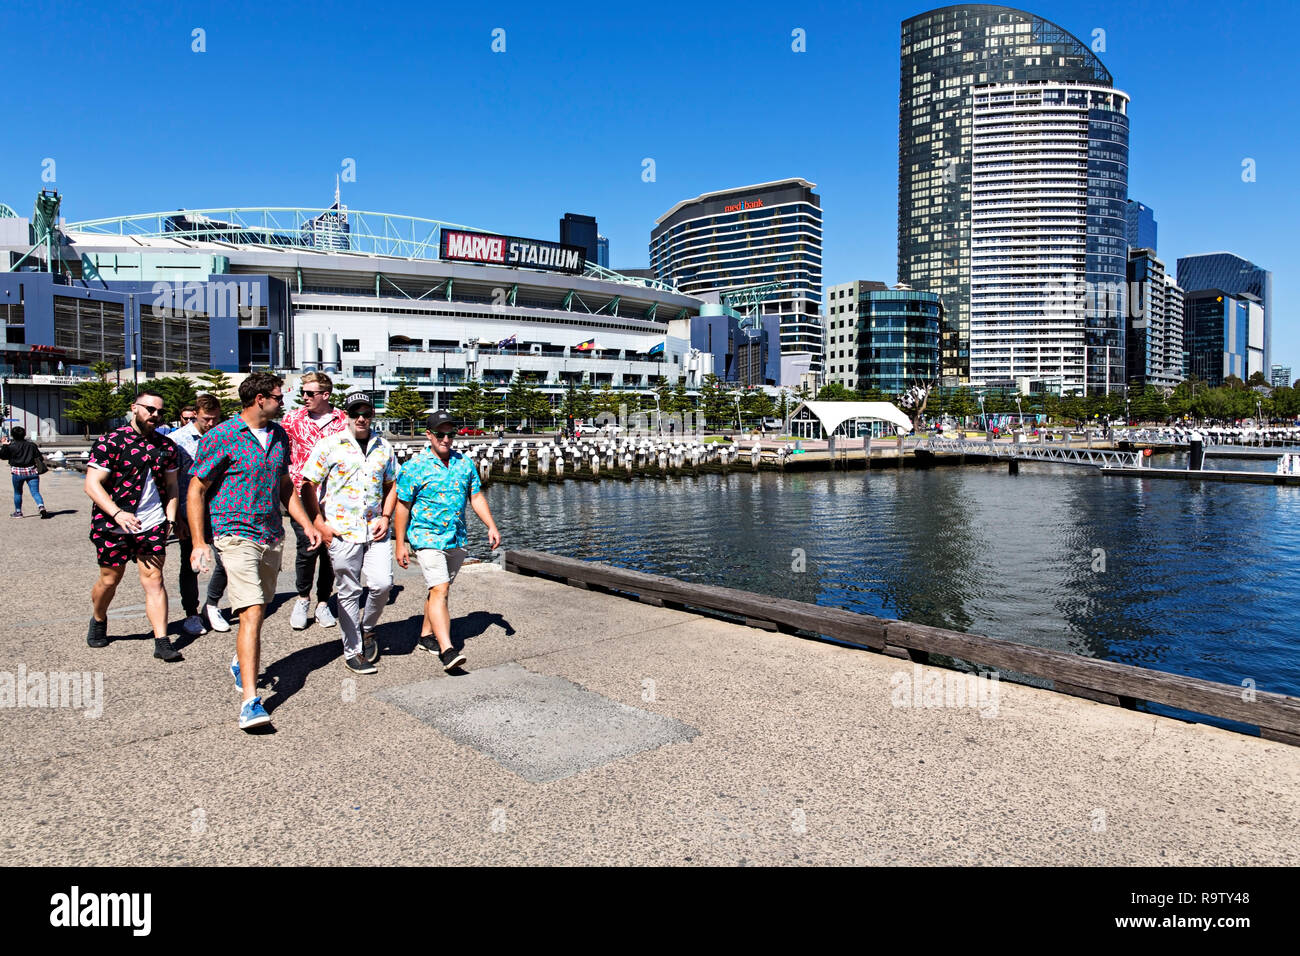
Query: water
(1191, 578)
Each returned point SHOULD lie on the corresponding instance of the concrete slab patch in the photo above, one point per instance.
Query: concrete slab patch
(543, 728)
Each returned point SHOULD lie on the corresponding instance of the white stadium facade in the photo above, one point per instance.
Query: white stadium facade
(377, 300)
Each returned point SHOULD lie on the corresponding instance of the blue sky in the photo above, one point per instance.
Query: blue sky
(442, 127)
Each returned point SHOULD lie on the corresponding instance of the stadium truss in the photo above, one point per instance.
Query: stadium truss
(368, 233)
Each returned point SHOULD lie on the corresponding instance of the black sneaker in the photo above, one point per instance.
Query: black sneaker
(359, 665)
(451, 659)
(163, 650)
(428, 642)
(370, 648)
(97, 634)
(45, 514)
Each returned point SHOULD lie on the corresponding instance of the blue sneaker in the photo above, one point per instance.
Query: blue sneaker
(234, 672)
(253, 714)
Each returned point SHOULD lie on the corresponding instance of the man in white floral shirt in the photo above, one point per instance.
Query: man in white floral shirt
(353, 510)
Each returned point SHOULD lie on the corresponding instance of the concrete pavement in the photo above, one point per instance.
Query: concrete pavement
(587, 729)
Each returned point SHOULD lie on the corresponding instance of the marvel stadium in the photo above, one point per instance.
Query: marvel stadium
(376, 298)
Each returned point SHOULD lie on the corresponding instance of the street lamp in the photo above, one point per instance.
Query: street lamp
(736, 395)
(987, 435)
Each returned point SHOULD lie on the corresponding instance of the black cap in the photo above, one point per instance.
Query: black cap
(437, 419)
(358, 403)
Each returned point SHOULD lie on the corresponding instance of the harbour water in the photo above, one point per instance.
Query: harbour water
(1196, 579)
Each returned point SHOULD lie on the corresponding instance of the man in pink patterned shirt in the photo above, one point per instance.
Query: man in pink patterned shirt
(317, 419)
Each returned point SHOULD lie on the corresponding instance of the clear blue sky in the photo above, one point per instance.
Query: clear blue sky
(440, 126)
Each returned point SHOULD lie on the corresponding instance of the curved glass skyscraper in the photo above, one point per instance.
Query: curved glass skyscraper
(945, 54)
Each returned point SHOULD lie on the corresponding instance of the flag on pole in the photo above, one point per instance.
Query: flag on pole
(586, 346)
(657, 350)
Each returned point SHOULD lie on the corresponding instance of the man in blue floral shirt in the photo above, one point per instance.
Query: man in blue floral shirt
(242, 471)
(432, 491)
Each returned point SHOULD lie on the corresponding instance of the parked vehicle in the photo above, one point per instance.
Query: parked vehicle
(471, 431)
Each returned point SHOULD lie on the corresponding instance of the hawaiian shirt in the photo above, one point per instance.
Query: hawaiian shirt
(187, 445)
(305, 433)
(351, 483)
(244, 498)
(130, 457)
(437, 494)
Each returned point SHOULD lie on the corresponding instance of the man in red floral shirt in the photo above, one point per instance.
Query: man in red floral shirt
(131, 478)
(308, 425)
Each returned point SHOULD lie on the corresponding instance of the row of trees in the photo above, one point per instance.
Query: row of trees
(95, 403)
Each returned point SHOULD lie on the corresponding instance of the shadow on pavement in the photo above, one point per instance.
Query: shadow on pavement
(287, 676)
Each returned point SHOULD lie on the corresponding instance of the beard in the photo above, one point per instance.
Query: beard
(144, 423)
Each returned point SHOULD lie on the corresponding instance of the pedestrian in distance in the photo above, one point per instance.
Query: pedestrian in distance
(207, 415)
(26, 465)
(131, 480)
(242, 471)
(317, 419)
(432, 491)
(355, 471)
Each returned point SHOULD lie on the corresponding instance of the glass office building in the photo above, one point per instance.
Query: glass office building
(1234, 275)
(898, 339)
(1141, 226)
(1225, 335)
(944, 54)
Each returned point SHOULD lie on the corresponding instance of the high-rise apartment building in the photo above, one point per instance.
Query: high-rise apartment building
(1234, 275)
(1154, 345)
(764, 234)
(1048, 253)
(1280, 376)
(944, 54)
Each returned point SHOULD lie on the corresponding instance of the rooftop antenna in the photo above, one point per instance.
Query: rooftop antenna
(336, 190)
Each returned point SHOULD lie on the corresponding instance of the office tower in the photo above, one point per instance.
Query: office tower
(1141, 226)
(766, 234)
(581, 231)
(1232, 274)
(1225, 335)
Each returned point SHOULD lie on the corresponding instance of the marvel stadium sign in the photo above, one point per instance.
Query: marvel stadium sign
(511, 251)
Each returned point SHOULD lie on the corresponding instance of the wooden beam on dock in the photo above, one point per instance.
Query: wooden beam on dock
(1276, 715)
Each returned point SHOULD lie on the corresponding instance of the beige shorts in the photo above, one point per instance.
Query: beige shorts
(251, 569)
(440, 567)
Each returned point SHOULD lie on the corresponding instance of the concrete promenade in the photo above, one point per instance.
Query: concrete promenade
(586, 729)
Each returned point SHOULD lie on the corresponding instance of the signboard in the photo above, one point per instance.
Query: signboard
(60, 379)
(491, 249)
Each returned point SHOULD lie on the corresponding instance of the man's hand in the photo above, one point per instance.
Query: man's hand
(494, 538)
(403, 554)
(326, 532)
(128, 522)
(313, 537)
(381, 529)
(201, 558)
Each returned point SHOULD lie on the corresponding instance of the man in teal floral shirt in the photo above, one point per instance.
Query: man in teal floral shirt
(432, 491)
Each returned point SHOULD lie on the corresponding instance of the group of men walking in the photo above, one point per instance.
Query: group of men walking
(221, 485)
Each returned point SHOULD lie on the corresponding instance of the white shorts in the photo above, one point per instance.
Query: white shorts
(440, 567)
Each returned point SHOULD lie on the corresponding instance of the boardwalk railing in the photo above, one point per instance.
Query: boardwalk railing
(1025, 451)
(1276, 715)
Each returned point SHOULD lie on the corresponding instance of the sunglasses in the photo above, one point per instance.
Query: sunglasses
(443, 436)
(319, 391)
(150, 409)
(279, 397)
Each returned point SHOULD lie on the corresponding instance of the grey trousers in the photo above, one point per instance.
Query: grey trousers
(375, 560)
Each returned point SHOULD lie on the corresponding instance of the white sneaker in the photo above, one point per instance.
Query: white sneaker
(323, 616)
(192, 625)
(298, 619)
(217, 619)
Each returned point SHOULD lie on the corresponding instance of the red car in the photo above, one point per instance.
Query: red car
(471, 431)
